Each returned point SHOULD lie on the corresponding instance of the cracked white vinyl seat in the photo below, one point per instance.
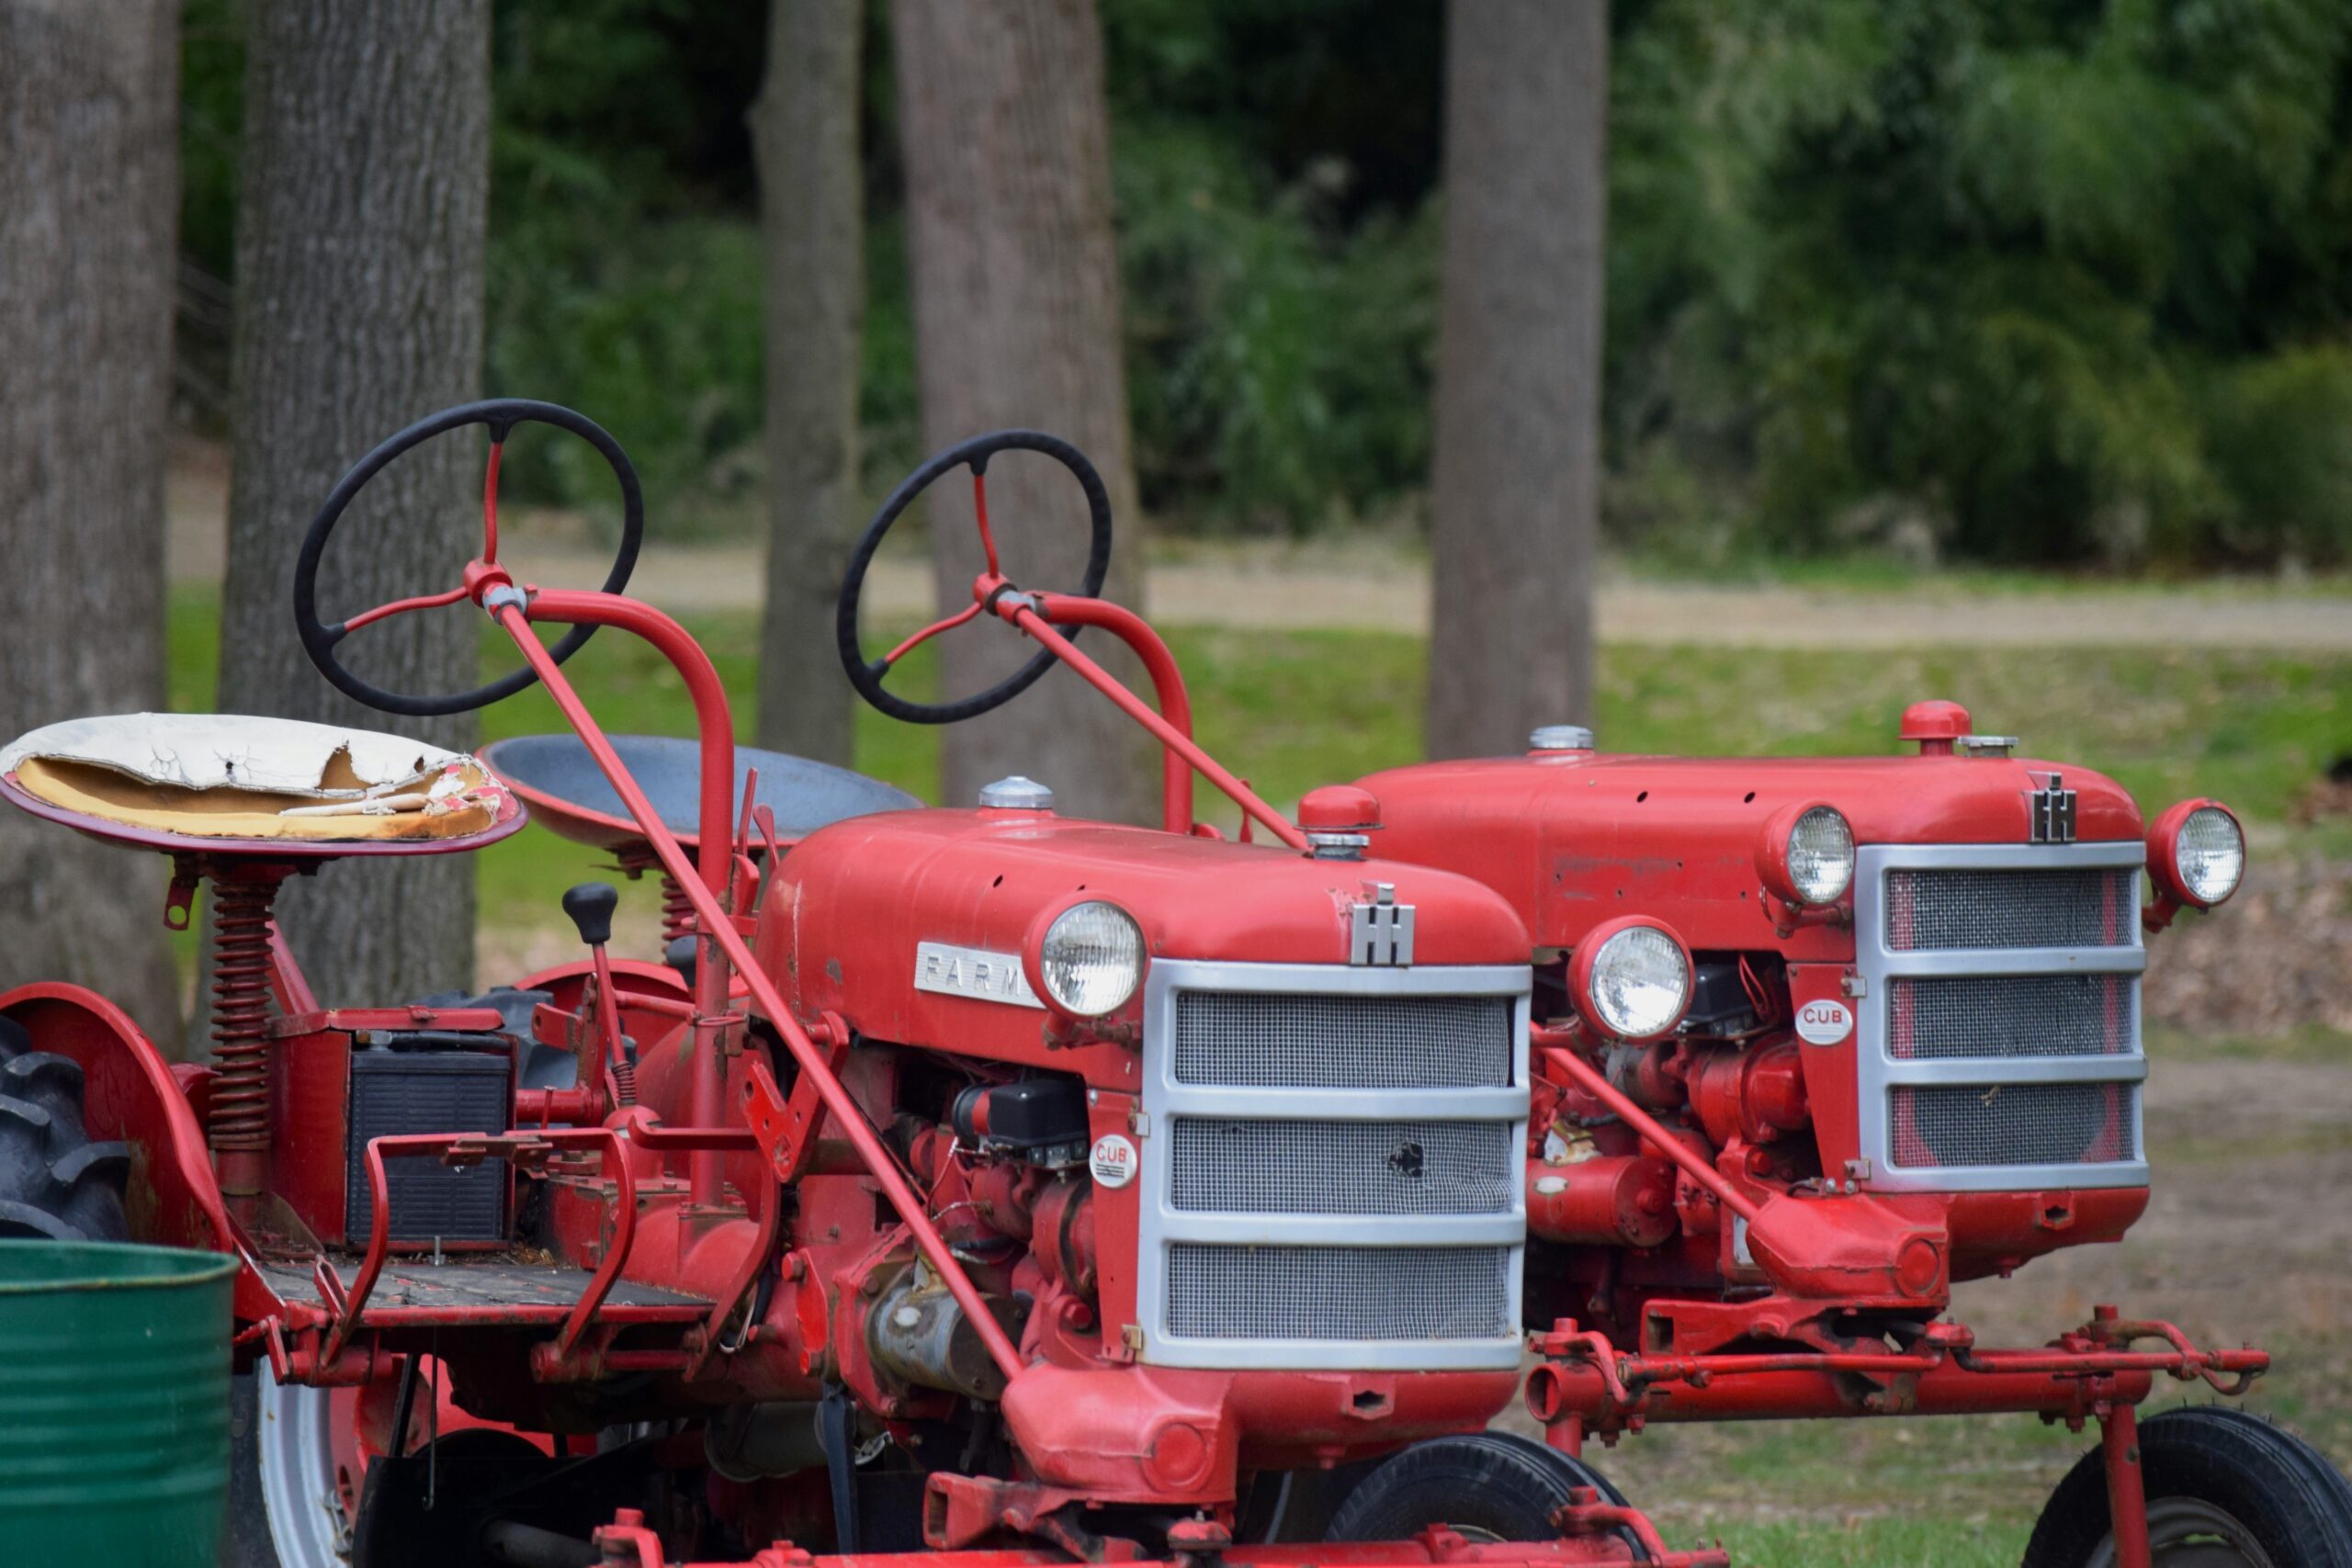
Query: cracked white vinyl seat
(243, 777)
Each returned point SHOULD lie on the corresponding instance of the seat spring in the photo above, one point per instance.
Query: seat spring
(240, 963)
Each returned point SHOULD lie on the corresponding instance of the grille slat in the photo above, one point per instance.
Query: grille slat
(1343, 1167)
(1957, 1018)
(1963, 910)
(1340, 1293)
(1285, 1041)
(1972, 1125)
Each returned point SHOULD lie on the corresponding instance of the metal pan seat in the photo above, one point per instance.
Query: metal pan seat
(567, 792)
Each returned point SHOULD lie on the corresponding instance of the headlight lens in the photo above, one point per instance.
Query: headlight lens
(1640, 982)
(2209, 854)
(1092, 958)
(1821, 856)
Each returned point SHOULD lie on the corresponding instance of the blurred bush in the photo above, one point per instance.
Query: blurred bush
(2006, 281)
(2057, 282)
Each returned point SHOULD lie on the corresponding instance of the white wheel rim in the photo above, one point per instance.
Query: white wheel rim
(296, 1457)
(2186, 1532)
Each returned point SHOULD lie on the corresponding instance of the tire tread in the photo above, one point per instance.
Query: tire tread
(2283, 1489)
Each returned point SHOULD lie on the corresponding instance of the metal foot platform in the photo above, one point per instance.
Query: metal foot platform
(482, 1287)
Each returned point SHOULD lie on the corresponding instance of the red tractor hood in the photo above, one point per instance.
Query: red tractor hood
(1576, 838)
(853, 902)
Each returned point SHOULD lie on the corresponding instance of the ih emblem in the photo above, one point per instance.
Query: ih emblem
(1380, 930)
(2051, 809)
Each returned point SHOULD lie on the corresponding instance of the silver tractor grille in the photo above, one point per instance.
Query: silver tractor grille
(1999, 1034)
(1334, 1165)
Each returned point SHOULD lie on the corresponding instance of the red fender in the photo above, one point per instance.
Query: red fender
(130, 1093)
(565, 982)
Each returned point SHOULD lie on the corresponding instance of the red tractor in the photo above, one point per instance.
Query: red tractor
(1813, 1040)
(978, 1184)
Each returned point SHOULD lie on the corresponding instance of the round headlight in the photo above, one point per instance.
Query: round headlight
(1091, 959)
(1633, 980)
(2209, 854)
(1821, 856)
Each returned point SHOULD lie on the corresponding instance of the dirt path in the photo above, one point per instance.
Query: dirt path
(1366, 586)
(1393, 597)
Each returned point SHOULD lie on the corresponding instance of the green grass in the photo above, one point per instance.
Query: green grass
(1290, 710)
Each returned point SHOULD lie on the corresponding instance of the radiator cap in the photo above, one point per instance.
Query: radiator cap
(1934, 720)
(1338, 820)
(1560, 737)
(1016, 794)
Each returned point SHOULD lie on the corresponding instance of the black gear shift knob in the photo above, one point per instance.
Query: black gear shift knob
(589, 907)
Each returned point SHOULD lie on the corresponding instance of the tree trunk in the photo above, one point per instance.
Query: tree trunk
(360, 224)
(804, 134)
(1006, 140)
(1517, 487)
(89, 198)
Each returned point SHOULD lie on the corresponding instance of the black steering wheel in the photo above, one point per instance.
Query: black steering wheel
(868, 676)
(502, 416)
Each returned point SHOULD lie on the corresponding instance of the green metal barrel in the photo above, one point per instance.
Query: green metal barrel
(114, 1405)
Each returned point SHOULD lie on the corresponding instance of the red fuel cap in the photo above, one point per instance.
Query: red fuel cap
(1338, 809)
(1935, 724)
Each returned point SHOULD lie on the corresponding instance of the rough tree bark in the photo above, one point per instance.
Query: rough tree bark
(360, 225)
(89, 196)
(804, 135)
(1517, 494)
(1006, 140)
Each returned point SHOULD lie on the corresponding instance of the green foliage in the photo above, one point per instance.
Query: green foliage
(212, 70)
(1280, 374)
(622, 278)
(2279, 434)
(2039, 282)
(1999, 280)
(657, 335)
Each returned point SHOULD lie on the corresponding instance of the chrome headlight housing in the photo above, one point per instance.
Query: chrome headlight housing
(1091, 959)
(1821, 856)
(1631, 978)
(2197, 853)
(1805, 855)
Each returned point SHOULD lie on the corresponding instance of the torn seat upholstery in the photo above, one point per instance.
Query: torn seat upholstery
(239, 776)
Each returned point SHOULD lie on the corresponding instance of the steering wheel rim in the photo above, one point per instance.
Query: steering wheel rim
(500, 415)
(974, 453)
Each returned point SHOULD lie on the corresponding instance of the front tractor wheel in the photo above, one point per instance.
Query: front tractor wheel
(1490, 1486)
(2226, 1489)
(291, 1488)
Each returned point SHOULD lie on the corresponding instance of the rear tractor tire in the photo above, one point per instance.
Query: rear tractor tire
(2226, 1489)
(55, 1184)
(1489, 1486)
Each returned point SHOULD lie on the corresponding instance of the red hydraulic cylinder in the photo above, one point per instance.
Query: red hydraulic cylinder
(1608, 1200)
